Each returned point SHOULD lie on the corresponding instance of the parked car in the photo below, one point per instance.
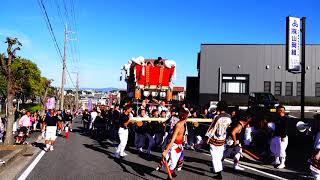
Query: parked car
(263, 101)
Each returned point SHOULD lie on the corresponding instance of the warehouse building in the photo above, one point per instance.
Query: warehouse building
(252, 68)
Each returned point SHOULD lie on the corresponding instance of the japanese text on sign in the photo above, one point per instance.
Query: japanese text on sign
(294, 60)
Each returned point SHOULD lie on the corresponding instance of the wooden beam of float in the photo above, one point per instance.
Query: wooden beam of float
(164, 119)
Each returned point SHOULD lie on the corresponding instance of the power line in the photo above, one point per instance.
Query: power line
(49, 26)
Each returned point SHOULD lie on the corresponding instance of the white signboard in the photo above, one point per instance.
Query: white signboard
(293, 44)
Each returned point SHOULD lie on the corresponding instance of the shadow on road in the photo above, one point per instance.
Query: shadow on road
(140, 169)
(38, 145)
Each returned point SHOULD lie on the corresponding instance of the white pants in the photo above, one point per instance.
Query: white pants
(123, 136)
(35, 125)
(91, 124)
(50, 134)
(278, 147)
(216, 155)
(315, 172)
(175, 153)
(15, 126)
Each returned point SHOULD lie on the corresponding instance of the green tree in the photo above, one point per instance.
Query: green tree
(27, 77)
(19, 76)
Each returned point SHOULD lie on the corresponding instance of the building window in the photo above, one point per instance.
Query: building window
(289, 88)
(317, 89)
(277, 88)
(267, 86)
(235, 84)
(298, 88)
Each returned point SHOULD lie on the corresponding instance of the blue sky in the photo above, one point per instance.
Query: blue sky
(110, 32)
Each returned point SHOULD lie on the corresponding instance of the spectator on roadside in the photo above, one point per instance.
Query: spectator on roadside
(15, 123)
(36, 120)
(1, 130)
(32, 121)
(25, 121)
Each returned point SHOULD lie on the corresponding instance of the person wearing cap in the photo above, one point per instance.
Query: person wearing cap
(50, 130)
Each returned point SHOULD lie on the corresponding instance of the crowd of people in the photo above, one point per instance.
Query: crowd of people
(26, 122)
(230, 132)
(170, 129)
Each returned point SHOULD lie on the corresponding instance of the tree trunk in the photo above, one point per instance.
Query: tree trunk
(43, 100)
(10, 118)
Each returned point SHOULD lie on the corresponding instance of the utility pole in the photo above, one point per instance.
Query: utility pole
(77, 94)
(303, 65)
(63, 69)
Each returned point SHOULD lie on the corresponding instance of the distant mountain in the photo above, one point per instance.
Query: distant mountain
(100, 89)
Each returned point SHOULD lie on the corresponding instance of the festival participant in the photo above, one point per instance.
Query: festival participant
(51, 129)
(93, 116)
(217, 136)
(175, 147)
(151, 131)
(115, 122)
(279, 142)
(159, 129)
(124, 120)
(315, 156)
(162, 107)
(60, 116)
(68, 119)
(191, 131)
(85, 120)
(169, 125)
(144, 106)
(233, 144)
(140, 130)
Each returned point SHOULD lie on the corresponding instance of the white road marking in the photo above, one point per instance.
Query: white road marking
(253, 169)
(256, 170)
(26, 173)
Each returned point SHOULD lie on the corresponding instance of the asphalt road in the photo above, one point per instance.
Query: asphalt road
(81, 157)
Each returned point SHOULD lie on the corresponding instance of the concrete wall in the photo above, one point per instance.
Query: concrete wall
(252, 60)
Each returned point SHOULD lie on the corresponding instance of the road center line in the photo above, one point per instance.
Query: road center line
(253, 169)
(26, 173)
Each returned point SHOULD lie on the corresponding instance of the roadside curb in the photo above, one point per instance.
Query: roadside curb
(18, 150)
